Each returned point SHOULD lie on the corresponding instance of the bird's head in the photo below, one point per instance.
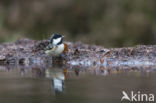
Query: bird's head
(56, 39)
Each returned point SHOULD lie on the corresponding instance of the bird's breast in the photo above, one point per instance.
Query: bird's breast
(56, 50)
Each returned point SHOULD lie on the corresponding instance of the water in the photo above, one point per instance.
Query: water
(76, 85)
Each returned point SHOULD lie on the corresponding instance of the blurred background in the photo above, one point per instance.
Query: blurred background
(111, 23)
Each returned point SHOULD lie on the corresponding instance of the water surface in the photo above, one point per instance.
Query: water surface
(71, 85)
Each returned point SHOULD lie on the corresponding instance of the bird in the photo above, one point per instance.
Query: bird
(56, 45)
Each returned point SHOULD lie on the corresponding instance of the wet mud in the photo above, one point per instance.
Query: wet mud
(28, 52)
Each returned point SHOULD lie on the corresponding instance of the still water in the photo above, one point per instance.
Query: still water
(76, 85)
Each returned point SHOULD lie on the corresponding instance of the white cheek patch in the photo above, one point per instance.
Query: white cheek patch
(56, 41)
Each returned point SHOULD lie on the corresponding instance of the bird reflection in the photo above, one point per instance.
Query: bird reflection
(57, 77)
(57, 85)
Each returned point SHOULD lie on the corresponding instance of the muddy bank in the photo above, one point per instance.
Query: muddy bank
(29, 52)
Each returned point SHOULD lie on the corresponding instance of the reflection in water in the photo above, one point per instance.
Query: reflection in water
(77, 71)
(88, 85)
(57, 85)
(58, 75)
(57, 78)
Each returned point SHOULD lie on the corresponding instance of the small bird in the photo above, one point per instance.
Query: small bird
(56, 45)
